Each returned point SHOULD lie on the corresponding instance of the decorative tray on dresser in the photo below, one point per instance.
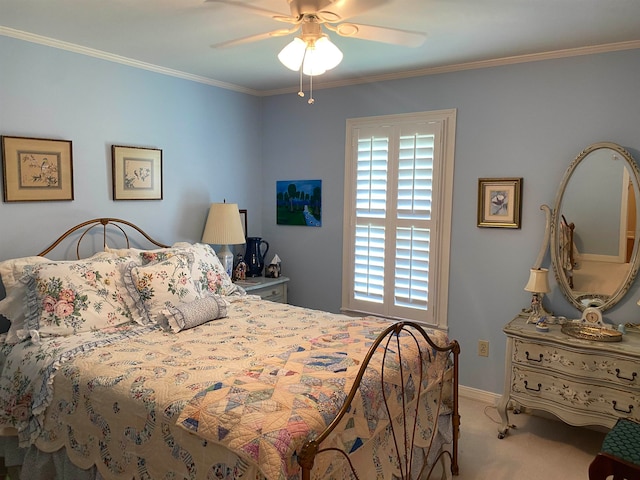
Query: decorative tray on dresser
(582, 382)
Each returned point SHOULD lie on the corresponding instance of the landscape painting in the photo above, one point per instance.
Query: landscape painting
(299, 202)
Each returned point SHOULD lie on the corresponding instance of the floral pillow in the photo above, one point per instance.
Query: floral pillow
(12, 307)
(207, 271)
(162, 284)
(64, 298)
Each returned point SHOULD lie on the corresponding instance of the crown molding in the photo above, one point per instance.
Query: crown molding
(497, 62)
(91, 52)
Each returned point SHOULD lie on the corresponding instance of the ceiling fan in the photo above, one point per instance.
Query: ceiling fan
(311, 52)
(329, 13)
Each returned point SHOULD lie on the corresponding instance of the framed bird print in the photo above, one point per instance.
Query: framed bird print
(36, 169)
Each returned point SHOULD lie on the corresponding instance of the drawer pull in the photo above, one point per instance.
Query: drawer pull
(526, 385)
(533, 359)
(633, 376)
(621, 410)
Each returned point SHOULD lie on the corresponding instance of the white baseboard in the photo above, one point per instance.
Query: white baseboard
(480, 395)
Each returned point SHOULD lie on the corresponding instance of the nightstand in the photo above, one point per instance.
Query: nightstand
(273, 289)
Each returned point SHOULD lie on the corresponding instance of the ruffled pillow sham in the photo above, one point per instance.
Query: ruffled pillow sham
(161, 284)
(206, 271)
(69, 297)
(12, 306)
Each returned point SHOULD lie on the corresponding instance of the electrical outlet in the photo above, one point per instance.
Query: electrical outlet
(483, 348)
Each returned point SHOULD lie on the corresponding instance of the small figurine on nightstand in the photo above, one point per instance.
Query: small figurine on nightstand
(273, 269)
(240, 272)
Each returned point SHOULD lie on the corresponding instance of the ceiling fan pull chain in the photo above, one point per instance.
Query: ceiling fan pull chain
(300, 92)
(311, 100)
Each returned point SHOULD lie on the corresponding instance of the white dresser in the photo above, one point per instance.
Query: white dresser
(582, 382)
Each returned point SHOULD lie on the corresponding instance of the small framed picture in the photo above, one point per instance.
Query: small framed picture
(243, 220)
(137, 173)
(499, 202)
(37, 169)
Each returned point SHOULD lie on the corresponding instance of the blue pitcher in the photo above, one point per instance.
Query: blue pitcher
(254, 255)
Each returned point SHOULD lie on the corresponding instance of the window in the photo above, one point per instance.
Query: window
(397, 227)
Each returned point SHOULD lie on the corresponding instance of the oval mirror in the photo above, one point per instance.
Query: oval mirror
(594, 235)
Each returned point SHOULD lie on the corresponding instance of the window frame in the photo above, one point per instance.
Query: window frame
(441, 213)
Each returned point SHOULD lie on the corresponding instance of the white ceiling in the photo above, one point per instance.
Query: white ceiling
(176, 35)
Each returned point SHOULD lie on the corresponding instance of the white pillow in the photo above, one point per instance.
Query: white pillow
(13, 305)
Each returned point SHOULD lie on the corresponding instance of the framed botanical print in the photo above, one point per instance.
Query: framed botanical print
(36, 169)
(137, 173)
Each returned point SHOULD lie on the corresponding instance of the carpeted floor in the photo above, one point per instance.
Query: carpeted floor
(538, 449)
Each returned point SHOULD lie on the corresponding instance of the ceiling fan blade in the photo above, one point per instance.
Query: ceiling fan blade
(255, 38)
(259, 10)
(301, 7)
(351, 8)
(379, 34)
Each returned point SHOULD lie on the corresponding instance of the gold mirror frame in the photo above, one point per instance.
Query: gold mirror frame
(604, 301)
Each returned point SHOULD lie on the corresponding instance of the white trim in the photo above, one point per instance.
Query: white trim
(496, 62)
(110, 57)
(318, 84)
(479, 395)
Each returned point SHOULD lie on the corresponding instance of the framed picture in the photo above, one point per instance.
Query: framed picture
(137, 173)
(299, 202)
(243, 220)
(499, 202)
(36, 169)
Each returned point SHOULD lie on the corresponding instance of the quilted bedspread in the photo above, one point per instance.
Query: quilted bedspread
(233, 398)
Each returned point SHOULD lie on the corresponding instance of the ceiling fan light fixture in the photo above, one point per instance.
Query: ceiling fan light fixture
(315, 56)
(327, 54)
(292, 55)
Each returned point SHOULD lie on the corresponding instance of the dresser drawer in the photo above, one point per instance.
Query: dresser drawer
(591, 366)
(273, 293)
(574, 395)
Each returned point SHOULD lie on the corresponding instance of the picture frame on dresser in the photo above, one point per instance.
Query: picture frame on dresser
(500, 202)
(137, 173)
(37, 169)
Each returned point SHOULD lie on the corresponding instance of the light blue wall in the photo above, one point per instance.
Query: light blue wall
(209, 139)
(528, 120)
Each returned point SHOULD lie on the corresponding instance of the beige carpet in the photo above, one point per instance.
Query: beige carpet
(539, 448)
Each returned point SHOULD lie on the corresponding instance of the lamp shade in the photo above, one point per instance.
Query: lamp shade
(538, 281)
(223, 226)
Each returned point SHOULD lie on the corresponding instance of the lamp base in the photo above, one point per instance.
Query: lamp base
(537, 311)
(226, 259)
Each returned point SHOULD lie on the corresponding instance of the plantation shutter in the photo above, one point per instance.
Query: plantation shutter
(391, 187)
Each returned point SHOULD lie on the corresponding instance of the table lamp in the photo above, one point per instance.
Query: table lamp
(224, 228)
(538, 285)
